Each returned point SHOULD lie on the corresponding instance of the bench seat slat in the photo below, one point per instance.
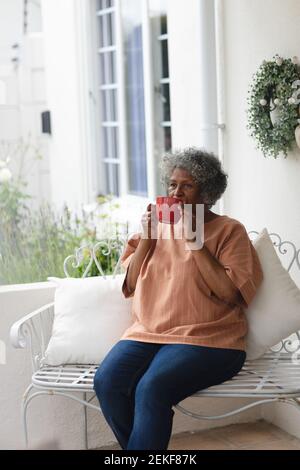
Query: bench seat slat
(272, 374)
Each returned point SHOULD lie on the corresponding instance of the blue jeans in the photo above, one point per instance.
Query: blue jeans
(138, 383)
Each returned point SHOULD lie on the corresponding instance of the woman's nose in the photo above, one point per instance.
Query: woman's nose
(178, 191)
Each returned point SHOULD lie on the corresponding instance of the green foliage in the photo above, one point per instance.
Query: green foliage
(106, 261)
(12, 204)
(273, 81)
(34, 244)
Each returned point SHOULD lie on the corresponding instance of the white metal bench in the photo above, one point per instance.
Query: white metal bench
(275, 377)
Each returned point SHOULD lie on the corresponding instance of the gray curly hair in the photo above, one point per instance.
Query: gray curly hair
(203, 166)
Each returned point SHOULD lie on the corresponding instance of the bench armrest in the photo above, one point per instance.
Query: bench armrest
(34, 331)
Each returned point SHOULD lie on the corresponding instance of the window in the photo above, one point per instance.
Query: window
(108, 96)
(122, 26)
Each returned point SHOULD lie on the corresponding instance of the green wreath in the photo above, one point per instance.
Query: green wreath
(273, 90)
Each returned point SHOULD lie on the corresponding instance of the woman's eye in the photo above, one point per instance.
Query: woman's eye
(184, 186)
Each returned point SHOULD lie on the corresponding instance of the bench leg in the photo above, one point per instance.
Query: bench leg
(24, 414)
(85, 423)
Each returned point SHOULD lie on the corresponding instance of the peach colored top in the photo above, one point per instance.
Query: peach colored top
(173, 304)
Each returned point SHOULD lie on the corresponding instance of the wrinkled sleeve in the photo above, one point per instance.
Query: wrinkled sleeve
(126, 257)
(241, 262)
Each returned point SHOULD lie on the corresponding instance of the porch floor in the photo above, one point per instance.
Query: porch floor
(247, 436)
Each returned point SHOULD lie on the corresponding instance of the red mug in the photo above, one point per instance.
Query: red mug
(168, 209)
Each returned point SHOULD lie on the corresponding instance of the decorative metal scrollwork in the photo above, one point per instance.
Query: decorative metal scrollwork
(110, 249)
(289, 345)
(78, 258)
(279, 245)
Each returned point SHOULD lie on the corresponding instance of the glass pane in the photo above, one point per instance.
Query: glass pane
(164, 59)
(102, 4)
(112, 178)
(104, 143)
(110, 143)
(165, 97)
(108, 68)
(107, 30)
(114, 143)
(115, 178)
(108, 179)
(163, 22)
(112, 67)
(109, 105)
(101, 31)
(110, 29)
(102, 68)
(167, 138)
(134, 86)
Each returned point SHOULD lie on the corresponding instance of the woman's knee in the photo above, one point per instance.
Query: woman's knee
(152, 389)
(104, 382)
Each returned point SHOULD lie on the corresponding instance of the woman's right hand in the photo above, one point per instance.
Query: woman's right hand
(149, 221)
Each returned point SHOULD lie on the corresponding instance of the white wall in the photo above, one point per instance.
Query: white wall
(32, 102)
(24, 98)
(192, 73)
(68, 98)
(11, 24)
(10, 33)
(262, 192)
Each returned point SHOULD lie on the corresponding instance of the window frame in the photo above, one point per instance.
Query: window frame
(119, 86)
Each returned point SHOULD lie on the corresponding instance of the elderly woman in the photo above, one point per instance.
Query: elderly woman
(189, 325)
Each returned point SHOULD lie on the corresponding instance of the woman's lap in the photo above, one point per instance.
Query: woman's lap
(172, 370)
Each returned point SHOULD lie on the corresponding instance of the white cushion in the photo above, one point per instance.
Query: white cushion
(90, 316)
(274, 313)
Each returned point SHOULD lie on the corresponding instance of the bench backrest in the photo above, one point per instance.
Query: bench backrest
(110, 251)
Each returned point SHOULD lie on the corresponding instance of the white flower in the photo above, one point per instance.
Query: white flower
(263, 102)
(291, 100)
(276, 101)
(2, 164)
(279, 61)
(295, 59)
(5, 175)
